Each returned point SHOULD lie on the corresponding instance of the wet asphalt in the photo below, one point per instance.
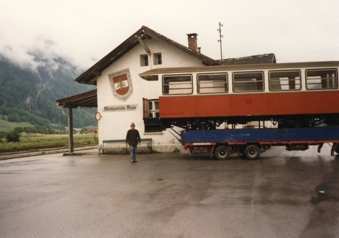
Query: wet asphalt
(284, 194)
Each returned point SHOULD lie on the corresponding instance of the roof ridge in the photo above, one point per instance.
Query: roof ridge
(128, 44)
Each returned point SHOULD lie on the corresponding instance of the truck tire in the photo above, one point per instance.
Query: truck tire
(336, 148)
(222, 152)
(252, 151)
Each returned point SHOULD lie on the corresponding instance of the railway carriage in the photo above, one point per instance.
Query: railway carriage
(303, 94)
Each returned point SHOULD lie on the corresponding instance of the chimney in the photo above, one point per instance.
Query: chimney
(193, 41)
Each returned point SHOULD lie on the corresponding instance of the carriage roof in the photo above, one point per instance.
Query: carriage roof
(149, 75)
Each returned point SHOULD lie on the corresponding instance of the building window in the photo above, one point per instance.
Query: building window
(177, 84)
(212, 83)
(248, 81)
(144, 60)
(157, 59)
(284, 80)
(317, 79)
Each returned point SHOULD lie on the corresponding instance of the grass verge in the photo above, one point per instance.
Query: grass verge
(43, 141)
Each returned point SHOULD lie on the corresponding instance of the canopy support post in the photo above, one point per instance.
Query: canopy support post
(70, 130)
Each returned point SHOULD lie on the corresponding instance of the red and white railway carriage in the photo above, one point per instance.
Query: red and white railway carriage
(293, 94)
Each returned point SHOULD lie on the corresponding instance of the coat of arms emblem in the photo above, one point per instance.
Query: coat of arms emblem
(121, 83)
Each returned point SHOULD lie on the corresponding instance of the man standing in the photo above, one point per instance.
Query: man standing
(132, 139)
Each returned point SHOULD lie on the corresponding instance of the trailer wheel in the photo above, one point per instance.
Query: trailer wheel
(336, 148)
(252, 151)
(222, 152)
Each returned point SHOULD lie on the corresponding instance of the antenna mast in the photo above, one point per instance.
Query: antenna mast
(220, 39)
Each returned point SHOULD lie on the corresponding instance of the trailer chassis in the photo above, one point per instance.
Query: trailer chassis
(252, 142)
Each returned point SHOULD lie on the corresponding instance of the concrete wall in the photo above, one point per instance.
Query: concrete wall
(114, 124)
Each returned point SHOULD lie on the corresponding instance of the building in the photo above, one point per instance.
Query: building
(120, 89)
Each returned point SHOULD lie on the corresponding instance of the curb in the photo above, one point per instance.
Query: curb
(44, 152)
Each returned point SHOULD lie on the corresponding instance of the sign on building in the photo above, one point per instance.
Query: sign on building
(121, 83)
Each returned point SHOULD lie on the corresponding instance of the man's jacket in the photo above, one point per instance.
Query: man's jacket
(133, 137)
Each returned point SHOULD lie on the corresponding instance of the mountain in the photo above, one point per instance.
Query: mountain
(28, 93)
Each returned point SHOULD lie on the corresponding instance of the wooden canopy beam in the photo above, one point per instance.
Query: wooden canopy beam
(86, 99)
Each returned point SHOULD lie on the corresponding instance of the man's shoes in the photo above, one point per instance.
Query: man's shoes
(134, 161)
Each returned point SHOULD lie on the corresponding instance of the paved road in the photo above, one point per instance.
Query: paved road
(168, 195)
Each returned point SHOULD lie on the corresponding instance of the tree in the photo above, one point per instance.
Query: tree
(13, 136)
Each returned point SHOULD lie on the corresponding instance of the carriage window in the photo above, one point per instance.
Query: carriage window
(212, 83)
(321, 79)
(177, 84)
(248, 81)
(284, 80)
(153, 105)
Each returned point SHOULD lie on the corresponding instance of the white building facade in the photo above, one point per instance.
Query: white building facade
(120, 89)
(113, 124)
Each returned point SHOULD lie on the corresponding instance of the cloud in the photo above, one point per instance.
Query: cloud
(83, 31)
(19, 56)
(42, 52)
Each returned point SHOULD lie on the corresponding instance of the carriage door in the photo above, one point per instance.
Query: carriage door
(151, 115)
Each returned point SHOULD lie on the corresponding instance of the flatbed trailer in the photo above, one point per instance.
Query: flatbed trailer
(251, 142)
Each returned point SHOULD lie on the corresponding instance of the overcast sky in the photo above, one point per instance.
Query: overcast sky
(84, 31)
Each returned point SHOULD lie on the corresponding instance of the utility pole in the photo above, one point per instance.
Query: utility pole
(220, 39)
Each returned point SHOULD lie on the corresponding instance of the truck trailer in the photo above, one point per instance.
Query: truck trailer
(251, 142)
